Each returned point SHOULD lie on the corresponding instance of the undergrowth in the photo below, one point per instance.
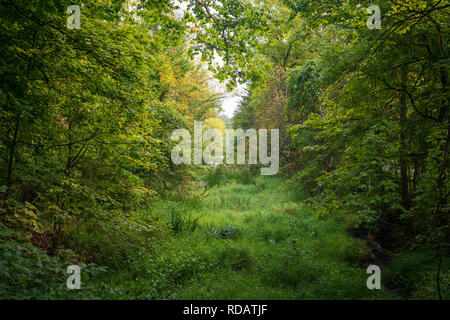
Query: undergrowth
(240, 241)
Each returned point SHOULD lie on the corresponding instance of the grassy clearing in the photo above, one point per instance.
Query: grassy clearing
(245, 240)
(250, 242)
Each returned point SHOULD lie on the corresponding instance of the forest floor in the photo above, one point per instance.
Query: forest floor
(247, 237)
(250, 241)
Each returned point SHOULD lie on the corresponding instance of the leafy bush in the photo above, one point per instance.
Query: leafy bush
(28, 272)
(115, 238)
(413, 275)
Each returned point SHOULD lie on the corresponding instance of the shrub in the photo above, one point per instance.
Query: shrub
(413, 275)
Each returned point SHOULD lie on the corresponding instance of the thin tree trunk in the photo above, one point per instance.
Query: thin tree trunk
(11, 154)
(438, 275)
(403, 159)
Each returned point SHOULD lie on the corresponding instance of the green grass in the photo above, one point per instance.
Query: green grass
(251, 242)
(244, 240)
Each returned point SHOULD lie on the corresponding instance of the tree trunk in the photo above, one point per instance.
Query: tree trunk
(403, 158)
(11, 154)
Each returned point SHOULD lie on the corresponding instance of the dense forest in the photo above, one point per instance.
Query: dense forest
(91, 92)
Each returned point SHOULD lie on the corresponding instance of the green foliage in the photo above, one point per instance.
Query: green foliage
(25, 269)
(182, 220)
(231, 28)
(304, 88)
(28, 272)
(85, 123)
(413, 275)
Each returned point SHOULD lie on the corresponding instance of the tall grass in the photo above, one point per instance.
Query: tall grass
(181, 220)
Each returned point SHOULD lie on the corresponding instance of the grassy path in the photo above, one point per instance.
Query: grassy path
(253, 242)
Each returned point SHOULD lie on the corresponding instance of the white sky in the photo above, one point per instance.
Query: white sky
(232, 102)
(229, 105)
